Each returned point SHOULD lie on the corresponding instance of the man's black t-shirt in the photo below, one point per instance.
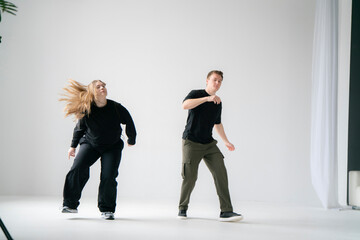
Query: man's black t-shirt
(201, 119)
(102, 127)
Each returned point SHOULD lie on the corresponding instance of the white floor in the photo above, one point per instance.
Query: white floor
(40, 218)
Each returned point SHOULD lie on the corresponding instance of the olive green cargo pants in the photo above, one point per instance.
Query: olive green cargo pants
(193, 153)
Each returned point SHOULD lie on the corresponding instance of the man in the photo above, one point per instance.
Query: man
(204, 113)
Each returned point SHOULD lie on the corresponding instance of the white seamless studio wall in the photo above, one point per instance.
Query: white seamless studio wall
(151, 54)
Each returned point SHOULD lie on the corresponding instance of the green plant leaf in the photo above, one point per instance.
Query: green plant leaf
(12, 9)
(8, 7)
(11, 13)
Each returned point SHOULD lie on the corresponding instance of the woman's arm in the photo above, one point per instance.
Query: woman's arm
(79, 132)
(130, 129)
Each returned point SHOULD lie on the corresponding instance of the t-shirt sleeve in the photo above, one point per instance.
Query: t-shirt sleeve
(193, 94)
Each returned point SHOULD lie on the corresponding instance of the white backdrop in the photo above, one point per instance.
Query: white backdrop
(151, 54)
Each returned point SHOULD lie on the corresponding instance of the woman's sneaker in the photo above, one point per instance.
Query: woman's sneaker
(66, 209)
(230, 217)
(107, 215)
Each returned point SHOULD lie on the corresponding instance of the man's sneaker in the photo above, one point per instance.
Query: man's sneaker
(182, 214)
(107, 215)
(66, 209)
(230, 217)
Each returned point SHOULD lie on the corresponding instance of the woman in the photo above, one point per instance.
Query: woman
(98, 132)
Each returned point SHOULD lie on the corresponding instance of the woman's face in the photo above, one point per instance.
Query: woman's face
(100, 89)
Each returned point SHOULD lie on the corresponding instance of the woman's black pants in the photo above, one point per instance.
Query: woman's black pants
(79, 175)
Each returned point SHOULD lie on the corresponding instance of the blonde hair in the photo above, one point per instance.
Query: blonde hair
(79, 98)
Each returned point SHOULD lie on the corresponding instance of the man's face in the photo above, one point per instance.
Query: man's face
(214, 82)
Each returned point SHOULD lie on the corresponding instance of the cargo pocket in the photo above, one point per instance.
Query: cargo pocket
(186, 152)
(183, 170)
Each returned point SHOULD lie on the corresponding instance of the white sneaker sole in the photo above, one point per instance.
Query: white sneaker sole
(108, 216)
(231, 219)
(181, 217)
(68, 210)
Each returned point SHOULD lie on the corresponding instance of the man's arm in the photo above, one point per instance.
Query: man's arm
(220, 130)
(194, 102)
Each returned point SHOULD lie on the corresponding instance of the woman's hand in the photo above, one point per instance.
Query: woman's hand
(71, 152)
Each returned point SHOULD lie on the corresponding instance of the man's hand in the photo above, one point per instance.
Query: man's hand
(214, 98)
(230, 146)
(71, 152)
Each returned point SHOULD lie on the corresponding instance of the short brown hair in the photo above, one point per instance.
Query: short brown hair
(216, 72)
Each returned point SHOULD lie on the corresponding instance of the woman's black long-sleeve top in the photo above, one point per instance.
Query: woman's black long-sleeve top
(102, 127)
